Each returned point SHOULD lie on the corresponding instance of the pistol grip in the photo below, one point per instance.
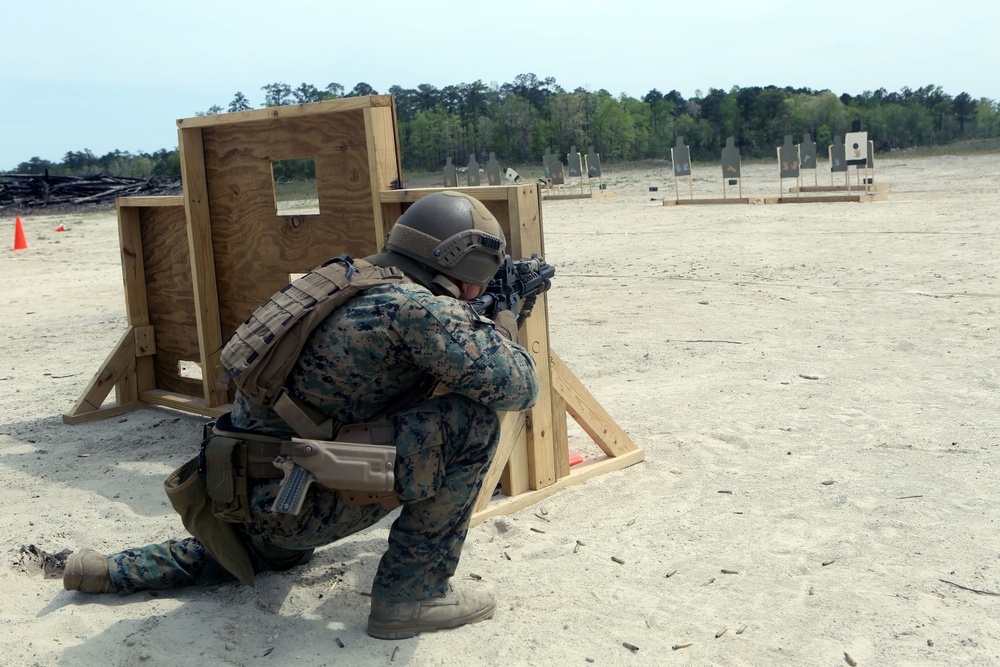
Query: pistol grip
(292, 492)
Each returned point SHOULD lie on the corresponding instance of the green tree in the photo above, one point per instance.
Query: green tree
(731, 122)
(532, 89)
(35, 165)
(306, 92)
(166, 164)
(434, 136)
(239, 103)
(513, 120)
(567, 122)
(277, 94)
(639, 118)
(362, 89)
(77, 161)
(964, 108)
(406, 103)
(987, 118)
(662, 111)
(612, 130)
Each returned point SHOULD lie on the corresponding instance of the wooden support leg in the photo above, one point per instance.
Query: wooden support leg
(118, 369)
(569, 394)
(511, 431)
(588, 413)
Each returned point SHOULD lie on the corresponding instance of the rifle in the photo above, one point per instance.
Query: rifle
(513, 282)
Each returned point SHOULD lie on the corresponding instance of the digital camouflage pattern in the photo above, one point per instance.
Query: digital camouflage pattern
(381, 343)
(355, 365)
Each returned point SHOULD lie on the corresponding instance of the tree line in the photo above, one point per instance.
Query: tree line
(518, 120)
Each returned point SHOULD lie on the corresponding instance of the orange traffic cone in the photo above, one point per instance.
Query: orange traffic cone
(60, 228)
(20, 243)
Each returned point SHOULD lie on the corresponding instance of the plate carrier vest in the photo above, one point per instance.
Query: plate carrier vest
(260, 355)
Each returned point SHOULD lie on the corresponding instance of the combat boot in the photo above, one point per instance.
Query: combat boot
(87, 571)
(401, 620)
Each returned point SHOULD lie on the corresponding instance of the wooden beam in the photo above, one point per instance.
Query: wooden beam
(136, 301)
(183, 402)
(732, 200)
(127, 386)
(560, 435)
(410, 195)
(586, 195)
(145, 342)
(287, 111)
(385, 167)
(841, 188)
(525, 210)
(206, 295)
(580, 473)
(816, 199)
(824, 199)
(383, 148)
(101, 413)
(150, 201)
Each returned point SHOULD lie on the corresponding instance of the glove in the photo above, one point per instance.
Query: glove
(526, 307)
(505, 323)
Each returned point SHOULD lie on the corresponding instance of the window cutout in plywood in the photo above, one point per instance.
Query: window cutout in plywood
(295, 190)
(189, 369)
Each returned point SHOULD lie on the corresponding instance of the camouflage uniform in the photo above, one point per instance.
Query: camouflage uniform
(355, 365)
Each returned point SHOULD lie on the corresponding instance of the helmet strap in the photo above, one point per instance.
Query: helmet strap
(444, 286)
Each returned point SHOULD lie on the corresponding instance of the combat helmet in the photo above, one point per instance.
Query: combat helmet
(450, 236)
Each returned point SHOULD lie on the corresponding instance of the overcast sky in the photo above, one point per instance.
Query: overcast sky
(113, 75)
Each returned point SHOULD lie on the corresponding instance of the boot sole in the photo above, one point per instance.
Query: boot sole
(406, 630)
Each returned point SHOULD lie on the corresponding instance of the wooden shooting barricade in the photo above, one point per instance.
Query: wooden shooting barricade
(196, 265)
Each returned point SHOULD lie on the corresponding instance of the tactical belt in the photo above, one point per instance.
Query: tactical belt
(260, 458)
(261, 451)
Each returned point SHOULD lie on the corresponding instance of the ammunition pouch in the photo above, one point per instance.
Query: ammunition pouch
(189, 497)
(226, 477)
(230, 459)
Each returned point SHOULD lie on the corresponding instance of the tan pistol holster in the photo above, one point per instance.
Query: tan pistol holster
(359, 465)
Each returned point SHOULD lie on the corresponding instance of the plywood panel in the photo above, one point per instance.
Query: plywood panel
(170, 296)
(255, 248)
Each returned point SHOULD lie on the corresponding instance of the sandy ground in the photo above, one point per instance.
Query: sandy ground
(814, 386)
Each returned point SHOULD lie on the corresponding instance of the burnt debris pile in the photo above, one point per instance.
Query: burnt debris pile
(29, 191)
